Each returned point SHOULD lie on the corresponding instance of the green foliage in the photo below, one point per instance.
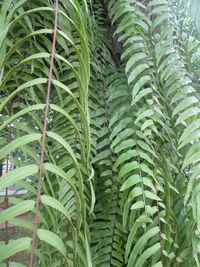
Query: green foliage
(192, 8)
(119, 177)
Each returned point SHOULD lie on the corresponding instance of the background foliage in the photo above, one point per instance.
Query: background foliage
(99, 104)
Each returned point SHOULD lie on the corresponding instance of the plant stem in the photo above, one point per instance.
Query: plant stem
(44, 134)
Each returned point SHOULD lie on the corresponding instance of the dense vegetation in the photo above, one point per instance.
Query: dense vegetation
(99, 104)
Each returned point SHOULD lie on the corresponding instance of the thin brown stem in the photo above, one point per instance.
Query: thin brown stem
(6, 194)
(44, 134)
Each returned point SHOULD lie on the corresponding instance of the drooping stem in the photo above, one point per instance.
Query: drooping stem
(44, 134)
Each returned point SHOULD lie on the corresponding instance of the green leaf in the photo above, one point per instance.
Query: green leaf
(187, 114)
(147, 254)
(7, 251)
(16, 264)
(124, 157)
(192, 127)
(138, 205)
(136, 72)
(21, 88)
(16, 210)
(152, 196)
(131, 181)
(192, 156)
(130, 143)
(66, 145)
(18, 174)
(142, 241)
(21, 113)
(142, 220)
(159, 264)
(21, 223)
(53, 240)
(161, 19)
(189, 101)
(18, 143)
(54, 203)
(58, 171)
(140, 84)
(135, 192)
(133, 60)
(195, 176)
(128, 167)
(192, 138)
(146, 114)
(140, 95)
